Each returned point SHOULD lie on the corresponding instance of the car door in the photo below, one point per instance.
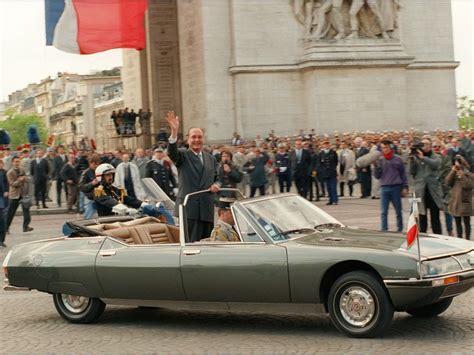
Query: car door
(251, 271)
(148, 272)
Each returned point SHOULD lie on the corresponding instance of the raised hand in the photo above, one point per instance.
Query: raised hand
(173, 121)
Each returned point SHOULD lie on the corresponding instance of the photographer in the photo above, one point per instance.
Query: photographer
(228, 174)
(460, 202)
(256, 169)
(424, 166)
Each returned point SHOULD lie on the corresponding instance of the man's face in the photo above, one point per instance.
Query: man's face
(93, 165)
(386, 148)
(108, 178)
(159, 155)
(195, 139)
(298, 145)
(139, 153)
(125, 158)
(343, 145)
(60, 151)
(455, 143)
(426, 145)
(16, 163)
(436, 148)
(39, 153)
(72, 158)
(227, 217)
(117, 155)
(225, 157)
(281, 150)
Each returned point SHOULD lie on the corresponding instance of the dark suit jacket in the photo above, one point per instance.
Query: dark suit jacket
(303, 167)
(39, 171)
(58, 165)
(193, 176)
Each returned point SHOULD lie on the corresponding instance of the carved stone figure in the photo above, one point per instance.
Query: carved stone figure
(354, 11)
(329, 7)
(334, 19)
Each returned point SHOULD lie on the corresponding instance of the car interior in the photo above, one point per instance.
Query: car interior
(145, 230)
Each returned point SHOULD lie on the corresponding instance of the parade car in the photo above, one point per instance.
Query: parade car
(292, 257)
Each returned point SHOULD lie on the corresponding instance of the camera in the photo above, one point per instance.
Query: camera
(416, 147)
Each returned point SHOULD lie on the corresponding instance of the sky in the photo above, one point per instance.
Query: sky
(25, 59)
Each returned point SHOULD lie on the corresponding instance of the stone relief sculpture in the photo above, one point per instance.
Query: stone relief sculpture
(347, 19)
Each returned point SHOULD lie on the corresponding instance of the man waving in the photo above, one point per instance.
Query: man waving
(197, 170)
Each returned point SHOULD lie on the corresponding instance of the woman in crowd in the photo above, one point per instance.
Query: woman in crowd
(460, 204)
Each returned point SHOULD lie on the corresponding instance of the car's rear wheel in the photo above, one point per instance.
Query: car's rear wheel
(359, 305)
(431, 310)
(78, 309)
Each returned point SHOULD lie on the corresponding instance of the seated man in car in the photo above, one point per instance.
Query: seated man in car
(224, 231)
(110, 199)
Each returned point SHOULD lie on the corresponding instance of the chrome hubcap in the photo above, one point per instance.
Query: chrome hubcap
(75, 304)
(357, 306)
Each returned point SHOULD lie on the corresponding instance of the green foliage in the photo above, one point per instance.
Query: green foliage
(17, 126)
(465, 112)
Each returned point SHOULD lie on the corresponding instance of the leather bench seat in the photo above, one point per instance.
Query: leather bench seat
(152, 233)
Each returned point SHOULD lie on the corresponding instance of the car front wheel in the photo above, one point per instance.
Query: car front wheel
(431, 310)
(78, 309)
(359, 305)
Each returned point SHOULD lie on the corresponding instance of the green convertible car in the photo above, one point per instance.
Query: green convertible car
(292, 258)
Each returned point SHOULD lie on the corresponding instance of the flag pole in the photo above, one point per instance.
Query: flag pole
(416, 200)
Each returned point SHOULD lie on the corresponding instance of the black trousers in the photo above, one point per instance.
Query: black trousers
(467, 226)
(301, 182)
(253, 189)
(59, 187)
(284, 180)
(40, 191)
(351, 187)
(434, 215)
(313, 180)
(198, 230)
(365, 180)
(11, 213)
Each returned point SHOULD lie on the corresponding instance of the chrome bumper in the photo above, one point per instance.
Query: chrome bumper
(14, 288)
(413, 293)
(428, 282)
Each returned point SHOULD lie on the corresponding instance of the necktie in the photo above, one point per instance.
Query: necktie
(127, 172)
(298, 156)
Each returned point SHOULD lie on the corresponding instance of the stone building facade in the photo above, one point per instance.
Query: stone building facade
(251, 65)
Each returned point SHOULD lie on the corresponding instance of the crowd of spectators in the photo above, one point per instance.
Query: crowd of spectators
(437, 166)
(125, 121)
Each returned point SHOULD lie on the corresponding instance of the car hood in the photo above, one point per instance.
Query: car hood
(430, 245)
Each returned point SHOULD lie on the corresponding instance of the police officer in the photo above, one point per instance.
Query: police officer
(283, 168)
(224, 231)
(107, 196)
(160, 171)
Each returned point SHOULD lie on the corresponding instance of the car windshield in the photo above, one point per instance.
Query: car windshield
(288, 217)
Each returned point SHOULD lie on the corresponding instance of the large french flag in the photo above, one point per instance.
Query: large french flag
(91, 26)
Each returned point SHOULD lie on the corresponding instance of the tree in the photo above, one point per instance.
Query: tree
(465, 112)
(17, 125)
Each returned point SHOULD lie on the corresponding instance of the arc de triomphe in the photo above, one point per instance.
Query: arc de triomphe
(253, 65)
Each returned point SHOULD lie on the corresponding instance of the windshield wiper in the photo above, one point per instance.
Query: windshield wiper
(327, 225)
(293, 231)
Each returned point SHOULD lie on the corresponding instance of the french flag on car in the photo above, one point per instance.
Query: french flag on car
(91, 26)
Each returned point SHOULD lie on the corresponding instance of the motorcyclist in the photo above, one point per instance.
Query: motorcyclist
(110, 199)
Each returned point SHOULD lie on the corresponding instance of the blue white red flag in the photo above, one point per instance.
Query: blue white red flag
(91, 26)
(412, 230)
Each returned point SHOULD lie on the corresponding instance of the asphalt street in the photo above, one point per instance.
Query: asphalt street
(29, 323)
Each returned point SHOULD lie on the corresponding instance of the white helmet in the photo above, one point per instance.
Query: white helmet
(104, 169)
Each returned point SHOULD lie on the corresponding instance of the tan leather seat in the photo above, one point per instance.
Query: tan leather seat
(127, 234)
(157, 232)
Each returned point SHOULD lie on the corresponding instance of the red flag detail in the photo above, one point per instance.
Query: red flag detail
(108, 24)
(412, 232)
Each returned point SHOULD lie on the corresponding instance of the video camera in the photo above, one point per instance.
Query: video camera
(416, 147)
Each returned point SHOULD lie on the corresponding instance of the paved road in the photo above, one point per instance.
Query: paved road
(30, 324)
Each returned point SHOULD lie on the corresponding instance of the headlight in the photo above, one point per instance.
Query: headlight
(466, 260)
(439, 267)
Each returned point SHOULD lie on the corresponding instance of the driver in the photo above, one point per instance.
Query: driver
(224, 230)
(108, 196)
